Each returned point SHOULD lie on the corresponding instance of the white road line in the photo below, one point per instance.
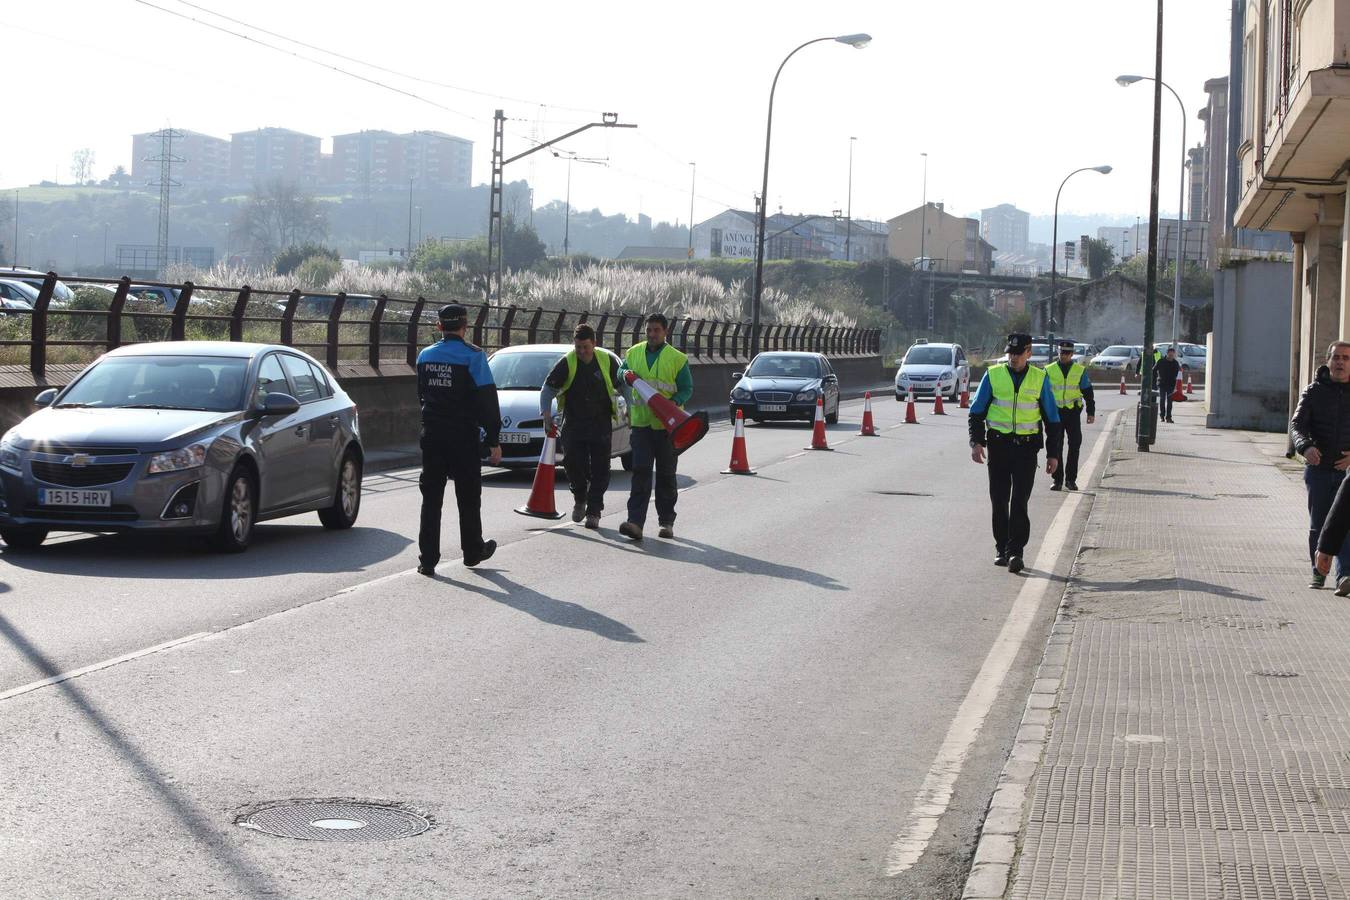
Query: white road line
(107, 663)
(935, 793)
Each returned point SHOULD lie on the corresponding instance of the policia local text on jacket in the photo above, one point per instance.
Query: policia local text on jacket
(458, 396)
(1007, 416)
(585, 394)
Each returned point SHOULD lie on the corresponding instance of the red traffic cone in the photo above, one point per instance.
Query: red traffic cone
(868, 428)
(965, 396)
(938, 409)
(1122, 384)
(1177, 392)
(686, 429)
(541, 505)
(818, 441)
(740, 463)
(910, 417)
(1189, 389)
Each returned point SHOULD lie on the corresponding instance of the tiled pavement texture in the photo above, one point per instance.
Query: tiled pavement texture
(1199, 745)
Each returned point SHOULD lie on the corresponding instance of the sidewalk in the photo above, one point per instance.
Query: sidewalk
(1189, 734)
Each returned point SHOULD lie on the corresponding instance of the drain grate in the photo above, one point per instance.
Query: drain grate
(334, 820)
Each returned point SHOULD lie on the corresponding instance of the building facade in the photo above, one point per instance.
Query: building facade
(205, 159)
(933, 238)
(368, 161)
(438, 160)
(1006, 227)
(731, 235)
(267, 153)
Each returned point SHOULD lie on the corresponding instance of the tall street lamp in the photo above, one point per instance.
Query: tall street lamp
(857, 41)
(1126, 81)
(693, 174)
(1054, 245)
(848, 229)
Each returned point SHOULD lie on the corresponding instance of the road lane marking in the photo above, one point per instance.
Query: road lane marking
(106, 664)
(935, 793)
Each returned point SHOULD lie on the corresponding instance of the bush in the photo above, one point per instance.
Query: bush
(289, 260)
(316, 271)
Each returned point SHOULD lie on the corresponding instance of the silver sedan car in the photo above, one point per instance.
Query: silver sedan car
(192, 436)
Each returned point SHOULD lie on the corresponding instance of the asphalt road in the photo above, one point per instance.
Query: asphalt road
(747, 710)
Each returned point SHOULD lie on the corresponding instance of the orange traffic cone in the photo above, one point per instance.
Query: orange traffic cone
(1189, 389)
(868, 428)
(1177, 392)
(541, 505)
(965, 396)
(1122, 384)
(818, 441)
(938, 409)
(740, 463)
(910, 417)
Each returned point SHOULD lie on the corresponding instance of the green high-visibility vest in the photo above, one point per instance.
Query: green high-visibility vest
(603, 359)
(661, 376)
(1068, 389)
(1015, 411)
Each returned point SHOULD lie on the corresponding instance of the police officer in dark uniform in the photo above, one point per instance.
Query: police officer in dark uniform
(458, 396)
(1013, 404)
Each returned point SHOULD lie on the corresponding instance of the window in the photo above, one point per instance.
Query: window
(271, 379)
(716, 242)
(321, 380)
(302, 376)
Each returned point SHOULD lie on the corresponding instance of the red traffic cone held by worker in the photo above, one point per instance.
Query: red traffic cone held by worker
(740, 463)
(686, 429)
(1122, 384)
(1189, 389)
(938, 409)
(869, 429)
(541, 505)
(965, 396)
(1177, 392)
(818, 441)
(910, 417)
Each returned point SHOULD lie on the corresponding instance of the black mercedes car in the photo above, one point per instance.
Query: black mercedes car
(785, 385)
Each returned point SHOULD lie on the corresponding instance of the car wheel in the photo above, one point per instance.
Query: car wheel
(626, 461)
(833, 418)
(346, 497)
(238, 513)
(23, 538)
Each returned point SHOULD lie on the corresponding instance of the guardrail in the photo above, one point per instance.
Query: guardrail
(362, 328)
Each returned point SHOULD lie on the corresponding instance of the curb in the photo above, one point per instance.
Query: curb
(996, 850)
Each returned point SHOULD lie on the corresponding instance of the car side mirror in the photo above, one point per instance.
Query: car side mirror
(45, 398)
(279, 405)
(736, 376)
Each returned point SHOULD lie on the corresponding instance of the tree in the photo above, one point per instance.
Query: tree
(82, 165)
(1101, 256)
(288, 260)
(279, 214)
(120, 178)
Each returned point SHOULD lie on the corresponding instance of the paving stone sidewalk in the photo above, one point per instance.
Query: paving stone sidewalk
(1189, 734)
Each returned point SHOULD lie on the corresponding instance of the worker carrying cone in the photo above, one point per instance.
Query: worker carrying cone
(818, 441)
(869, 429)
(740, 462)
(911, 418)
(541, 505)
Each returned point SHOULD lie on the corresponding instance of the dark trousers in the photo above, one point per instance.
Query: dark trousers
(652, 446)
(1322, 486)
(452, 457)
(586, 461)
(1012, 475)
(1165, 401)
(1072, 420)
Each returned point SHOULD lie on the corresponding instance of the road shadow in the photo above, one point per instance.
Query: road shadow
(1152, 492)
(715, 558)
(549, 610)
(207, 839)
(278, 549)
(1148, 585)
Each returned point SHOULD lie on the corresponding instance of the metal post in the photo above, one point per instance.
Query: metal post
(237, 314)
(693, 174)
(495, 203)
(567, 210)
(407, 247)
(376, 322)
(1146, 425)
(848, 233)
(178, 325)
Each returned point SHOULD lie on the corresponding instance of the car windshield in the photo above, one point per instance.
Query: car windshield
(928, 356)
(784, 367)
(1080, 348)
(1040, 349)
(209, 383)
(1116, 351)
(522, 371)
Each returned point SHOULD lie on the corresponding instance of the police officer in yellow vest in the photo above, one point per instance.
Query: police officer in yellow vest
(1072, 388)
(583, 383)
(667, 370)
(1012, 404)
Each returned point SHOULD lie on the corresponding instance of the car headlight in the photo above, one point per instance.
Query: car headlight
(189, 457)
(9, 452)
(740, 394)
(902, 377)
(807, 395)
(947, 376)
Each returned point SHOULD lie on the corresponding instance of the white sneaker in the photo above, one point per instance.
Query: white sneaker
(1343, 586)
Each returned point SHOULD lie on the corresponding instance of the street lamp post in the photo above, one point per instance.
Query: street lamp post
(848, 228)
(1054, 246)
(693, 174)
(857, 41)
(76, 264)
(1126, 81)
(105, 244)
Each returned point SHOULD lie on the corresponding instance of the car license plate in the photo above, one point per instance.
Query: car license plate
(73, 497)
(773, 407)
(514, 437)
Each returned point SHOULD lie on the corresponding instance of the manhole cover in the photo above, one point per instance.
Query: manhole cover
(1276, 673)
(334, 820)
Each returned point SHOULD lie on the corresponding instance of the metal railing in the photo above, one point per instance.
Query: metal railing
(374, 330)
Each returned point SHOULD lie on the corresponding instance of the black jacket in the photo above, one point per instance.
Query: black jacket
(456, 390)
(1165, 372)
(1322, 419)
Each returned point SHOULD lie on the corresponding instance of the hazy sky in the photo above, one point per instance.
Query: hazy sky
(1005, 97)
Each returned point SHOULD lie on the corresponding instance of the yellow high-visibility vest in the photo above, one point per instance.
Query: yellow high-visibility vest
(1068, 389)
(1015, 410)
(662, 377)
(603, 359)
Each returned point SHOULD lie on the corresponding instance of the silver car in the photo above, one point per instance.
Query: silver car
(519, 374)
(193, 436)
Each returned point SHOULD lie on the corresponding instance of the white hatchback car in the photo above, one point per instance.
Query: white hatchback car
(1118, 358)
(932, 369)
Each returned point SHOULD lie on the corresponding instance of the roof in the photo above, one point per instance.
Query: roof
(233, 349)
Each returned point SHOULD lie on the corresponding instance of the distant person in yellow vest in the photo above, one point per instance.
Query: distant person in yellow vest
(1072, 389)
(1013, 402)
(583, 383)
(667, 370)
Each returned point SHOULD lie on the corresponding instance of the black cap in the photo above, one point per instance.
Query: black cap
(1066, 345)
(453, 314)
(1018, 342)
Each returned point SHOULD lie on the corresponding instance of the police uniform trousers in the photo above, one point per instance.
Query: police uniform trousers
(1071, 417)
(1012, 468)
(453, 455)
